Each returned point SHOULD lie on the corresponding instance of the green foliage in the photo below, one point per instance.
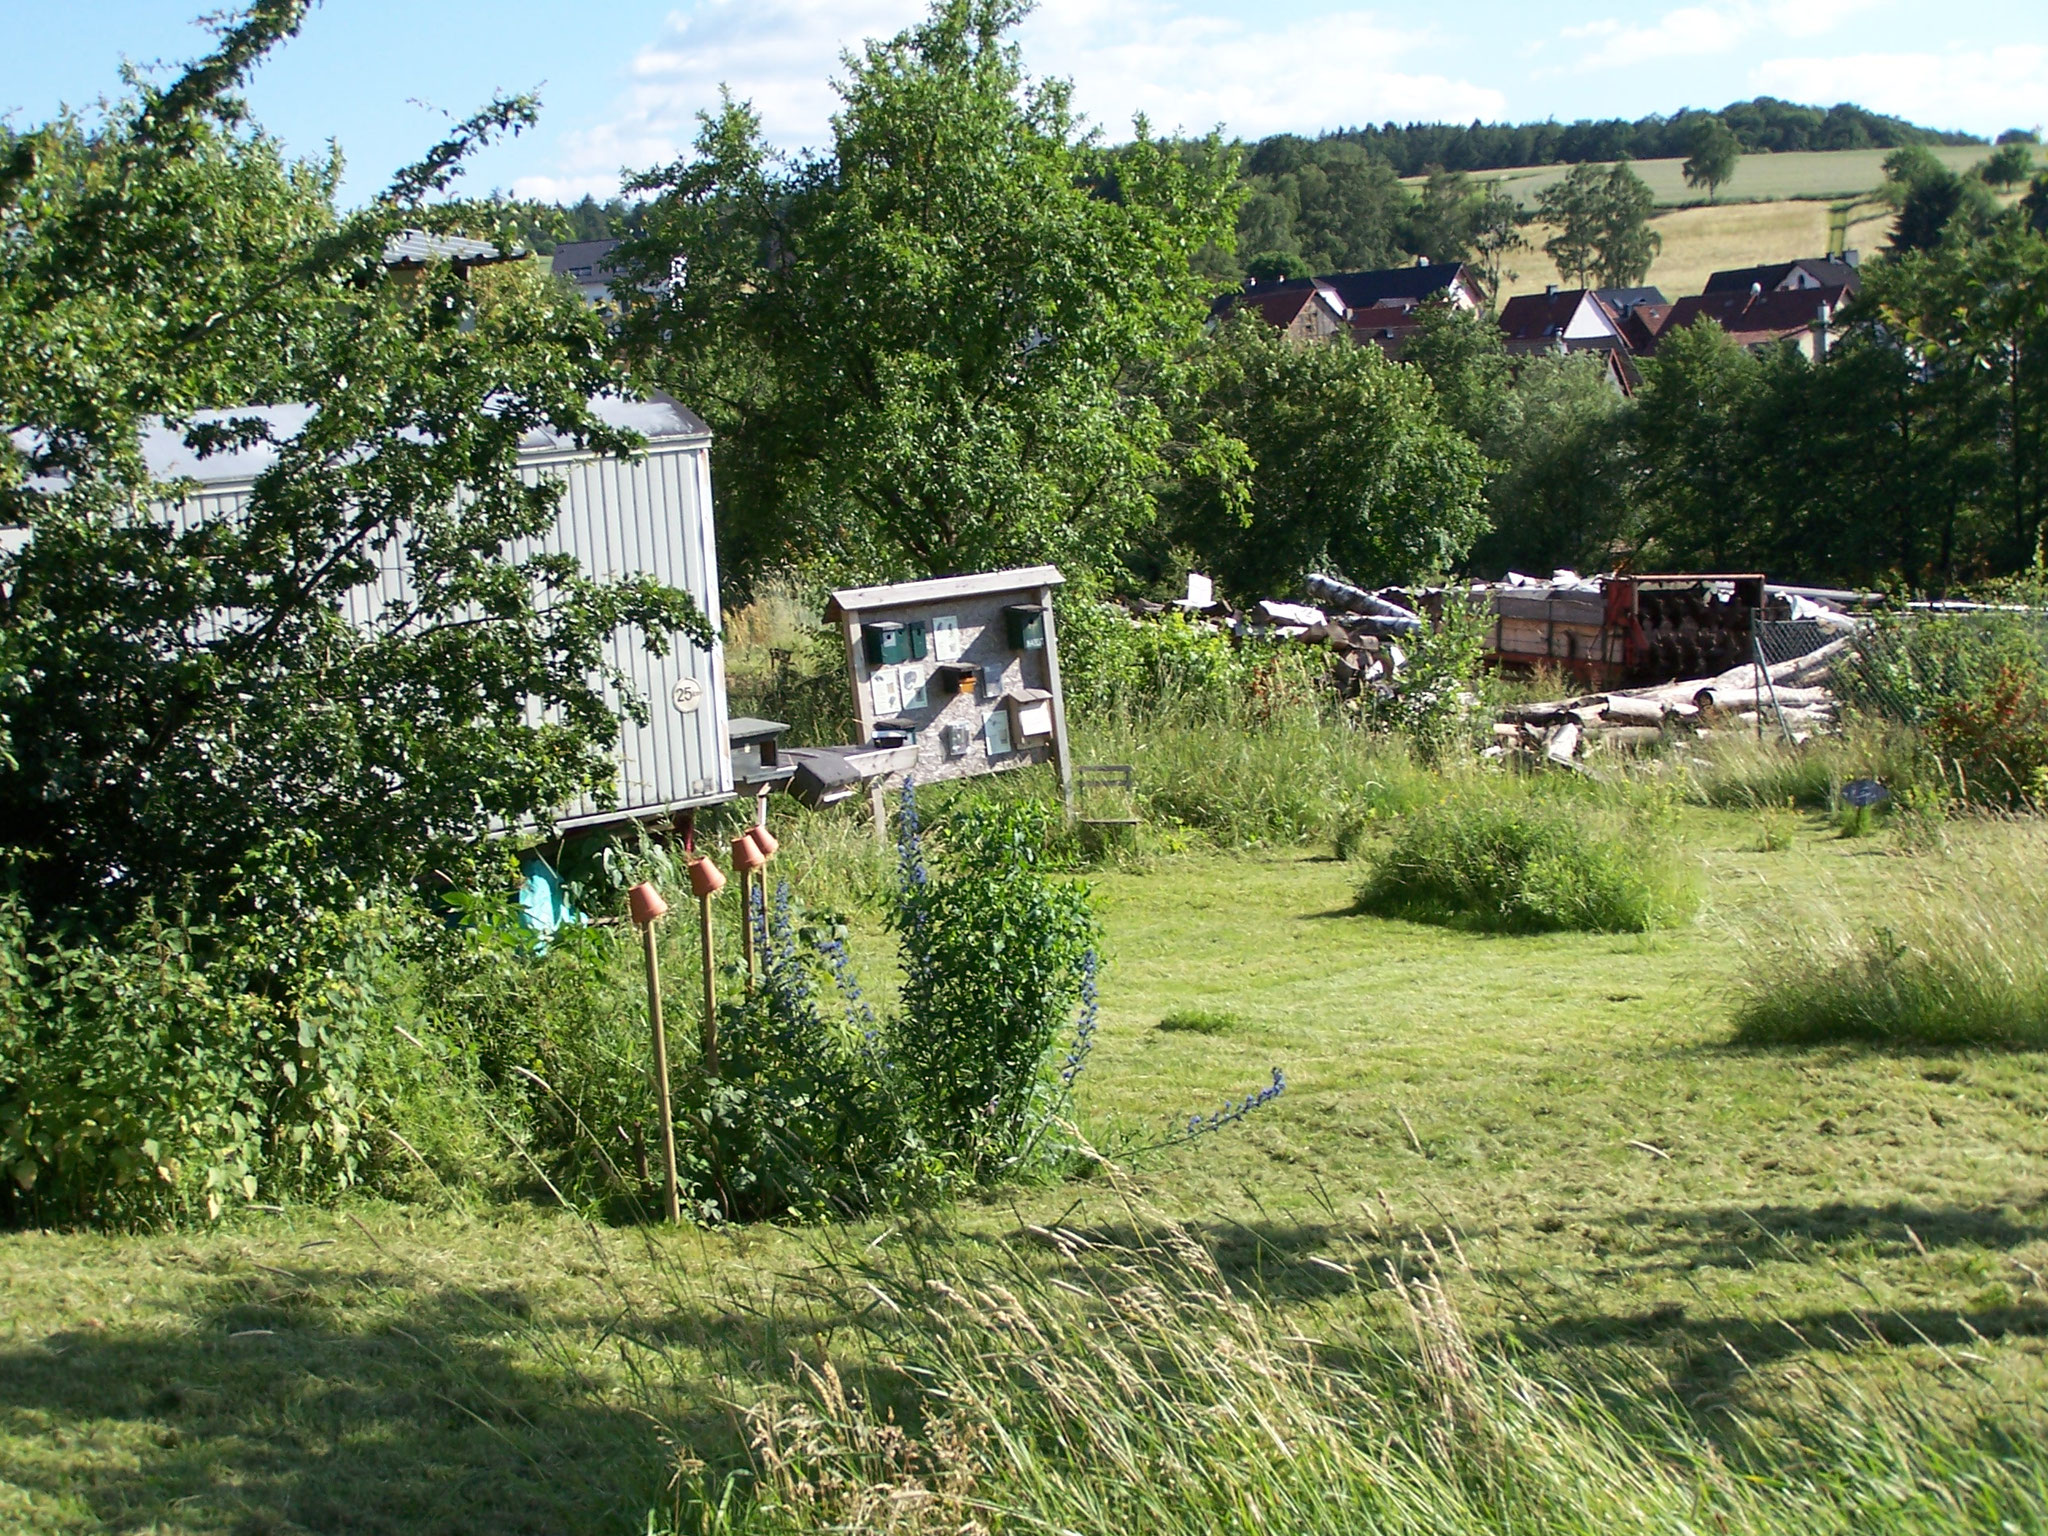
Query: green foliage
(1602, 219)
(2009, 165)
(1333, 206)
(1438, 699)
(921, 350)
(996, 956)
(1555, 433)
(1761, 126)
(1354, 469)
(190, 715)
(804, 1117)
(1713, 151)
(1961, 963)
(183, 1070)
(1491, 858)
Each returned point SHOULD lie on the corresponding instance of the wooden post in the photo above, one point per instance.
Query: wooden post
(878, 802)
(710, 988)
(647, 907)
(747, 920)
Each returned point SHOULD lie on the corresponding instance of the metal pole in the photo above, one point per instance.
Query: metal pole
(710, 988)
(661, 1094)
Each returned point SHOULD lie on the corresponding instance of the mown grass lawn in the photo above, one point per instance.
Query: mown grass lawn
(1600, 1176)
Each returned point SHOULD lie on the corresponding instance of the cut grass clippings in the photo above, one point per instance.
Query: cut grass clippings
(1201, 1021)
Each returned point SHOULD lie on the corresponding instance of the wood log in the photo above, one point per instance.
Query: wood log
(1635, 711)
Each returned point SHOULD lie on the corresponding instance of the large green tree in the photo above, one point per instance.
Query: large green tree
(1712, 153)
(1601, 225)
(188, 714)
(940, 345)
(1355, 468)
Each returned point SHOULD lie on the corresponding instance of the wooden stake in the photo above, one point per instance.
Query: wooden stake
(661, 1094)
(710, 988)
(747, 919)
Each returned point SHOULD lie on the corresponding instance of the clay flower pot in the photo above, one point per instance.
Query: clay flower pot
(705, 880)
(645, 903)
(746, 856)
(764, 840)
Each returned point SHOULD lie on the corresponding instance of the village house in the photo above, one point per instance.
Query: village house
(1308, 312)
(1602, 320)
(1757, 317)
(584, 264)
(1806, 275)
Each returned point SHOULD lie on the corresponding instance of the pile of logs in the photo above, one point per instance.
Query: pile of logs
(1792, 697)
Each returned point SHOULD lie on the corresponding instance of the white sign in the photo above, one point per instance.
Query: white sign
(884, 694)
(1034, 720)
(687, 694)
(946, 644)
(998, 730)
(1201, 591)
(912, 688)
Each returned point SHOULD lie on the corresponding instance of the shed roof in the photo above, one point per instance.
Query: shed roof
(168, 457)
(941, 589)
(416, 247)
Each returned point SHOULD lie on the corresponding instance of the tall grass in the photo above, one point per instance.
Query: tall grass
(1290, 778)
(1501, 854)
(1736, 771)
(1961, 961)
(1120, 1387)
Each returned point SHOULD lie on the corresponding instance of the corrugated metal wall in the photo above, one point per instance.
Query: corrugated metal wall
(651, 516)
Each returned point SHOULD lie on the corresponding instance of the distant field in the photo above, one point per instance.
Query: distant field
(1699, 241)
(1757, 178)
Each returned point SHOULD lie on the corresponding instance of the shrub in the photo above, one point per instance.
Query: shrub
(1437, 698)
(183, 1069)
(805, 1117)
(1964, 963)
(1485, 857)
(1995, 739)
(996, 957)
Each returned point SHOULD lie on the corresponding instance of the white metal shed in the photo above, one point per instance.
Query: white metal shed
(649, 515)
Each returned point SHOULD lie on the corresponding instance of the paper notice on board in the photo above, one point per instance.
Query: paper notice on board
(946, 637)
(883, 693)
(998, 730)
(911, 686)
(1035, 720)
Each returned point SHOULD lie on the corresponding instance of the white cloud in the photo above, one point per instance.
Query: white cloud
(1182, 69)
(1978, 90)
(1698, 31)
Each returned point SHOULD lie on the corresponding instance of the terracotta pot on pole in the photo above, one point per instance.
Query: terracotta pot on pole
(747, 858)
(706, 881)
(647, 908)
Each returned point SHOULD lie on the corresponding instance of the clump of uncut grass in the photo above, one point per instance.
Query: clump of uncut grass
(1962, 960)
(1290, 778)
(1735, 770)
(1493, 854)
(1077, 1385)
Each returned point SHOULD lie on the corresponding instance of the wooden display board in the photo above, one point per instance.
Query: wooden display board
(971, 664)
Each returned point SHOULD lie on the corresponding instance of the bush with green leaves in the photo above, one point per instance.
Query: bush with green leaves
(180, 1069)
(997, 956)
(1491, 856)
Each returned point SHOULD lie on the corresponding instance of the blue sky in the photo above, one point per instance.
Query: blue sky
(623, 79)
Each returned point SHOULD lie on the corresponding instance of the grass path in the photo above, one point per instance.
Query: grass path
(380, 1370)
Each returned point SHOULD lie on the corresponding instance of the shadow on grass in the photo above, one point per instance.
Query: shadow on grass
(263, 1411)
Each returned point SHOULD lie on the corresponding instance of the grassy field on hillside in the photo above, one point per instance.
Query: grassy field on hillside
(1818, 175)
(1607, 1183)
(1702, 241)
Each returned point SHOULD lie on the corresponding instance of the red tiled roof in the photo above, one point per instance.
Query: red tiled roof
(1533, 316)
(1769, 315)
